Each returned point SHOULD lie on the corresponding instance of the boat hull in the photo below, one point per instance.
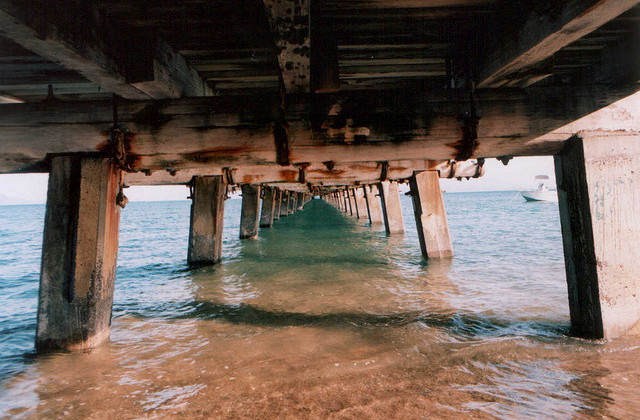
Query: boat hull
(540, 195)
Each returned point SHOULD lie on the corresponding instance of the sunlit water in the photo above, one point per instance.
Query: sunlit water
(323, 316)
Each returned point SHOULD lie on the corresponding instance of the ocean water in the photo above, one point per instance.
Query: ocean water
(323, 316)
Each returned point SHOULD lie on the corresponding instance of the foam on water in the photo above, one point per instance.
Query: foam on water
(322, 316)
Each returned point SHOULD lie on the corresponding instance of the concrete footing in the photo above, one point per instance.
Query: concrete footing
(249, 215)
(391, 207)
(431, 219)
(79, 253)
(598, 179)
(207, 216)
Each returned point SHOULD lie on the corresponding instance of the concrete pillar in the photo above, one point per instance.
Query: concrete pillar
(277, 197)
(207, 217)
(269, 198)
(351, 206)
(374, 211)
(345, 200)
(598, 179)
(431, 219)
(291, 203)
(361, 203)
(79, 253)
(354, 203)
(249, 214)
(301, 200)
(284, 204)
(391, 207)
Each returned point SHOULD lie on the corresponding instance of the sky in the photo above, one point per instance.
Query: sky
(517, 175)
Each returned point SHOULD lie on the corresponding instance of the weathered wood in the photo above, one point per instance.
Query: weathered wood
(315, 173)
(391, 207)
(290, 26)
(599, 195)
(542, 35)
(267, 214)
(249, 215)
(79, 253)
(217, 131)
(207, 220)
(166, 74)
(374, 211)
(431, 218)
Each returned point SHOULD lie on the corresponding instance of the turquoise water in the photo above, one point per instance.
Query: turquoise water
(323, 316)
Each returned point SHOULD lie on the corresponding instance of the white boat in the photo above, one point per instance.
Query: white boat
(543, 193)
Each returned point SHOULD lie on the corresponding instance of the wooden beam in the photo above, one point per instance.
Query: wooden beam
(59, 38)
(543, 35)
(196, 133)
(166, 74)
(290, 25)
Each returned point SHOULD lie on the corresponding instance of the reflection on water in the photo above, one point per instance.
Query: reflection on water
(321, 317)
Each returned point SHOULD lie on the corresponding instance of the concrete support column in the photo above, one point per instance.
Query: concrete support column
(79, 253)
(292, 202)
(277, 197)
(249, 214)
(374, 211)
(391, 207)
(345, 199)
(301, 200)
(268, 207)
(598, 179)
(431, 219)
(354, 203)
(361, 204)
(207, 220)
(350, 203)
(284, 205)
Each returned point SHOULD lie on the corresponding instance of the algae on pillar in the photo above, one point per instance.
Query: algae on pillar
(391, 207)
(431, 219)
(598, 181)
(207, 220)
(249, 213)
(269, 198)
(79, 253)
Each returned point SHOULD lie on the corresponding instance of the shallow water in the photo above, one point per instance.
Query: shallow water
(323, 316)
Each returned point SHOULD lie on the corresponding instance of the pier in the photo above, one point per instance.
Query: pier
(291, 100)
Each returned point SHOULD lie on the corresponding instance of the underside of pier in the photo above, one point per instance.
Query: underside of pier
(340, 99)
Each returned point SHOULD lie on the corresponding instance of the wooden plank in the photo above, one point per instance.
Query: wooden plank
(166, 73)
(90, 60)
(542, 35)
